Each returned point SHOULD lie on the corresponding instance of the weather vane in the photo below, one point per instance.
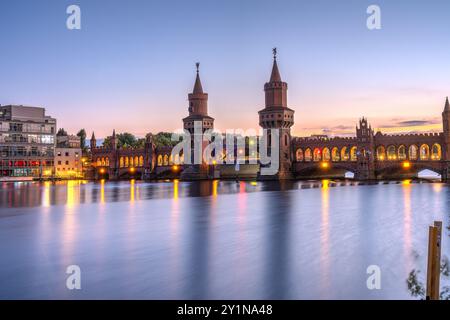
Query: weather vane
(197, 65)
(274, 50)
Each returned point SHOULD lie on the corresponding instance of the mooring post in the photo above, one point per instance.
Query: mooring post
(434, 260)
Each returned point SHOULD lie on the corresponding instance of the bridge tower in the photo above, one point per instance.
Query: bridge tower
(446, 147)
(198, 114)
(277, 116)
(365, 153)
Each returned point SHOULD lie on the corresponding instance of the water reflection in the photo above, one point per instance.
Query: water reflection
(215, 239)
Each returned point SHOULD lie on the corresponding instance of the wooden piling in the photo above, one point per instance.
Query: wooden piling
(434, 260)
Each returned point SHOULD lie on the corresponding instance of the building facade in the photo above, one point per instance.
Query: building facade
(27, 143)
(68, 157)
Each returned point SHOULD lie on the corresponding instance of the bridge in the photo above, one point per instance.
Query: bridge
(369, 155)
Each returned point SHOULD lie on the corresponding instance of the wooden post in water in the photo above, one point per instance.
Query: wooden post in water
(434, 261)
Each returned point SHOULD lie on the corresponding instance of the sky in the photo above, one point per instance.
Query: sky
(132, 64)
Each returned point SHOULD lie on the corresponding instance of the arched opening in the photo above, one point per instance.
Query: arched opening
(353, 154)
(401, 152)
(160, 160)
(107, 161)
(317, 155)
(413, 152)
(166, 160)
(436, 152)
(308, 155)
(299, 155)
(99, 162)
(381, 153)
(345, 154)
(121, 163)
(141, 161)
(391, 153)
(131, 161)
(170, 159)
(136, 161)
(349, 175)
(335, 154)
(428, 174)
(326, 155)
(103, 162)
(285, 139)
(424, 152)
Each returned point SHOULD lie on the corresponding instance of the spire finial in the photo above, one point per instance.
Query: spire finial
(447, 105)
(197, 65)
(274, 51)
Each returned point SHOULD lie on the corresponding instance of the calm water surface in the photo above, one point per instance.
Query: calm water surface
(215, 240)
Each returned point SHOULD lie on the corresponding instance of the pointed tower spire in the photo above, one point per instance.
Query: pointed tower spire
(93, 141)
(447, 105)
(114, 133)
(275, 76)
(198, 84)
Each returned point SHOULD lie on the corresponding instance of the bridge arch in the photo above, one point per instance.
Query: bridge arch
(317, 155)
(353, 153)
(413, 152)
(381, 153)
(299, 155)
(326, 155)
(424, 152)
(308, 155)
(391, 152)
(335, 154)
(401, 152)
(436, 152)
(345, 154)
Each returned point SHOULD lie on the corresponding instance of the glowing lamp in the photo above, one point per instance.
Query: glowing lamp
(324, 165)
(406, 165)
(132, 170)
(175, 168)
(102, 171)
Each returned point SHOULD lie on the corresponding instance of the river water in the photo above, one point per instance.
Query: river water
(217, 239)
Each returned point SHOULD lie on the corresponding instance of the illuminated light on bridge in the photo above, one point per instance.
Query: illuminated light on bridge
(132, 170)
(324, 165)
(406, 165)
(102, 171)
(175, 168)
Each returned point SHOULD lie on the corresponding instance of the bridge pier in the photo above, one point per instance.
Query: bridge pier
(446, 173)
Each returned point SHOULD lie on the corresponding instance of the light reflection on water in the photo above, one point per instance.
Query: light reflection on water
(215, 239)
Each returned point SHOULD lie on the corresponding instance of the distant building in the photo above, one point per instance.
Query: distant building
(68, 161)
(27, 142)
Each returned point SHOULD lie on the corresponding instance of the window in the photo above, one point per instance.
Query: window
(67, 154)
(67, 163)
(59, 153)
(59, 162)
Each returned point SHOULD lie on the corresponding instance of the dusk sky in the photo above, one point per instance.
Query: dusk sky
(132, 64)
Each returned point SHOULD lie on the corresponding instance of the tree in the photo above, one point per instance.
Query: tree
(124, 140)
(61, 132)
(82, 135)
(163, 139)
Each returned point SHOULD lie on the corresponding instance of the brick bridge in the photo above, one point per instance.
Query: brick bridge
(369, 155)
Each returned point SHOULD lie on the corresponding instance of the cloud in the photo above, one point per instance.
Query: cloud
(415, 123)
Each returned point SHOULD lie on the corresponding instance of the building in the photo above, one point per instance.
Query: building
(27, 142)
(68, 157)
